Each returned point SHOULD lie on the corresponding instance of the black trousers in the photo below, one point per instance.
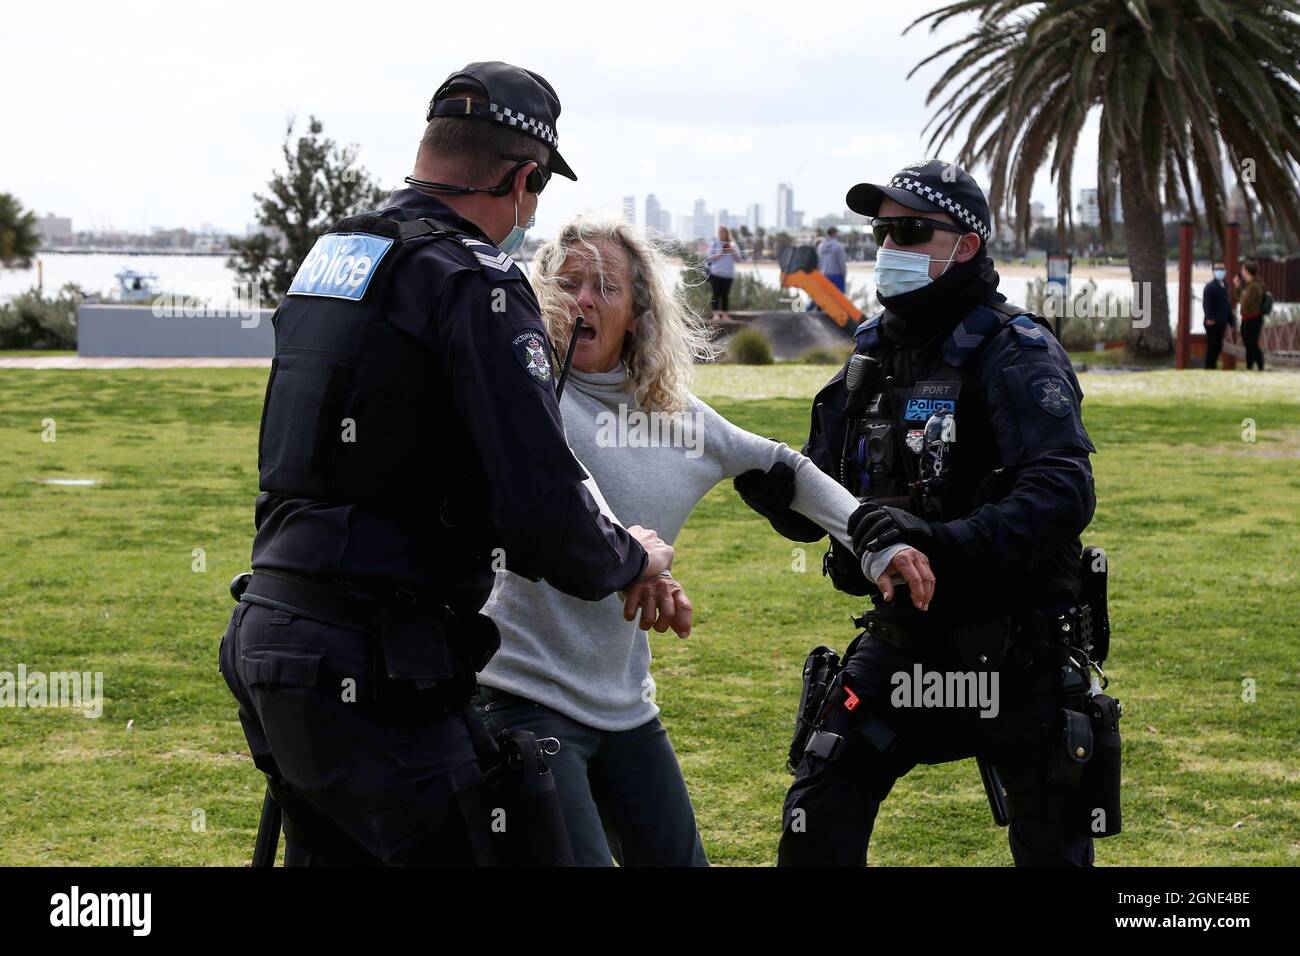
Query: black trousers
(360, 782)
(831, 807)
(1251, 330)
(1214, 343)
(721, 292)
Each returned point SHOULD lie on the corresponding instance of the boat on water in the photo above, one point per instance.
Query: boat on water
(135, 287)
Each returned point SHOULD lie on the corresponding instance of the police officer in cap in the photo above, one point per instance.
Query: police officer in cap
(411, 445)
(957, 423)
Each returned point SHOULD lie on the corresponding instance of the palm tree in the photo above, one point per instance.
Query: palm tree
(1178, 83)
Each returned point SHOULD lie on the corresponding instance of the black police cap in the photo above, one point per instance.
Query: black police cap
(931, 185)
(515, 97)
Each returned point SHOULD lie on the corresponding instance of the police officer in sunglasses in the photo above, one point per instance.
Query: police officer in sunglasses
(957, 424)
(411, 445)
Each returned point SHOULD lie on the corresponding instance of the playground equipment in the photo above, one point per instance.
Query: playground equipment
(799, 271)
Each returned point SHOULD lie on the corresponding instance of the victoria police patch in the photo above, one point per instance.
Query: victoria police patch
(1052, 394)
(530, 349)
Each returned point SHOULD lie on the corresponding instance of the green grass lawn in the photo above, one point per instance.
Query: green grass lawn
(1200, 525)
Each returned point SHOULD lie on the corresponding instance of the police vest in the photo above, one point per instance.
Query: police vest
(351, 410)
(926, 447)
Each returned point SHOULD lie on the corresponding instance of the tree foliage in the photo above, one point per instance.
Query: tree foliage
(19, 238)
(1180, 86)
(320, 184)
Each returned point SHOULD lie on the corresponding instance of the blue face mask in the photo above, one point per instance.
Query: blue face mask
(514, 240)
(899, 272)
(1220, 273)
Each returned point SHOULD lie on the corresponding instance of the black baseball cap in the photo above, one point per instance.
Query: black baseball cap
(516, 97)
(929, 185)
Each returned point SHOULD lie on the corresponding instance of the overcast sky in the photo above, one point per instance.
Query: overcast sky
(142, 114)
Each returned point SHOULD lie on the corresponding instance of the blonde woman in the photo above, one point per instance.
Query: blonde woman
(579, 671)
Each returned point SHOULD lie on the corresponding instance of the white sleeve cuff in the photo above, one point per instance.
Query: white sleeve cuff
(874, 563)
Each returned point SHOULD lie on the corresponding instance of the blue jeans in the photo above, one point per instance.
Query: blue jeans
(622, 792)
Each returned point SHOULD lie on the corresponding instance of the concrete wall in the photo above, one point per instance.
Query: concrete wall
(135, 330)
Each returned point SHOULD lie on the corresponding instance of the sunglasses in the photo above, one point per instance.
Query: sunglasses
(908, 230)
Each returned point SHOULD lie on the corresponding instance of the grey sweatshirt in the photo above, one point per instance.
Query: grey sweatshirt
(582, 658)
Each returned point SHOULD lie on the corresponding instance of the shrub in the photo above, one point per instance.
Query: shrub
(31, 321)
(749, 346)
(826, 355)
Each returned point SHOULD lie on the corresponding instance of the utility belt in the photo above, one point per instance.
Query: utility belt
(424, 654)
(1011, 642)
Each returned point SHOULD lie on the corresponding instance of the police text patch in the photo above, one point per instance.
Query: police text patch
(340, 265)
(530, 349)
(929, 398)
(1052, 394)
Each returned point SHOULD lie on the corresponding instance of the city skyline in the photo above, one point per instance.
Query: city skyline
(133, 136)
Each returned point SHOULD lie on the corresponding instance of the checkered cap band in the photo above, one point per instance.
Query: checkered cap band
(535, 127)
(953, 208)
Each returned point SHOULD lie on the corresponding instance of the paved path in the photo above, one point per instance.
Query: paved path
(77, 361)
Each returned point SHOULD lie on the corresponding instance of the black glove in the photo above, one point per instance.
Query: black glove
(770, 493)
(875, 527)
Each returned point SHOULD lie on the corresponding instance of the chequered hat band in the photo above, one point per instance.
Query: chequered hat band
(534, 127)
(950, 206)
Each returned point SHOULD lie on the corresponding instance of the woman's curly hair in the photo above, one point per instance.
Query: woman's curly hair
(666, 339)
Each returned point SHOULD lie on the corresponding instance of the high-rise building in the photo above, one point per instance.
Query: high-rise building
(754, 217)
(1089, 209)
(629, 209)
(784, 206)
(702, 226)
(657, 219)
(54, 229)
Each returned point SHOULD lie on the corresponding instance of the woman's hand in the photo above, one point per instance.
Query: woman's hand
(659, 552)
(663, 604)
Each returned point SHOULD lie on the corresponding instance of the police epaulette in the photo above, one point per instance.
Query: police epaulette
(488, 256)
(866, 335)
(982, 322)
(970, 334)
(1029, 332)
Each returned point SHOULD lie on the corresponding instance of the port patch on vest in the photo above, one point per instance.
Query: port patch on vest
(340, 265)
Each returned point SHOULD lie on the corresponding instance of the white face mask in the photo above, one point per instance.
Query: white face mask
(899, 272)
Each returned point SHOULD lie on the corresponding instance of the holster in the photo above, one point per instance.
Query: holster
(819, 672)
(520, 805)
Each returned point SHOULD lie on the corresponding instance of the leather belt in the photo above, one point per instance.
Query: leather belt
(311, 599)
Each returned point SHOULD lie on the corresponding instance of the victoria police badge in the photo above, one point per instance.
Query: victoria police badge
(530, 349)
(1051, 393)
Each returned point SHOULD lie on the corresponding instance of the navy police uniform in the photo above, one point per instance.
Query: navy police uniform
(410, 443)
(964, 414)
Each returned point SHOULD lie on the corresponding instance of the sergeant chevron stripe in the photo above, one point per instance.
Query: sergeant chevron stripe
(501, 262)
(965, 340)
